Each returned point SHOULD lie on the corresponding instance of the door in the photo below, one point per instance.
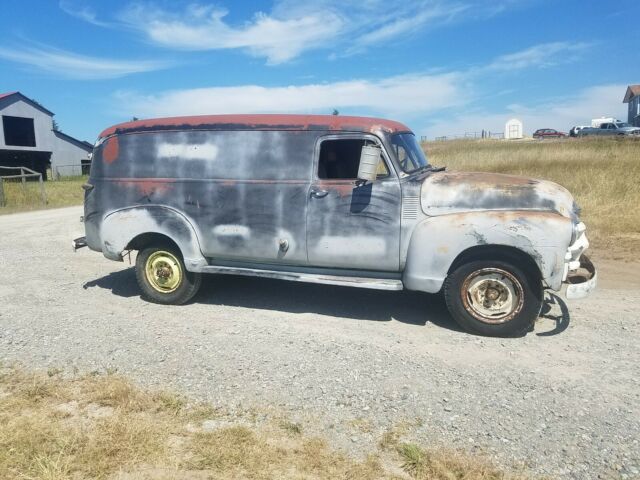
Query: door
(349, 224)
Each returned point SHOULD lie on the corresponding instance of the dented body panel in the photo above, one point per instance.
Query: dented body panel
(242, 193)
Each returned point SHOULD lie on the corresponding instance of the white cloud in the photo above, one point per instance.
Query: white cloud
(561, 114)
(393, 96)
(291, 27)
(416, 17)
(83, 12)
(541, 55)
(71, 65)
(204, 28)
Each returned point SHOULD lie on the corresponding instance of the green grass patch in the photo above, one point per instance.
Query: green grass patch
(21, 197)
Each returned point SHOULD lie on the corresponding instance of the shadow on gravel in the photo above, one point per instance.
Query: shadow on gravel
(122, 283)
(562, 319)
(413, 308)
(266, 294)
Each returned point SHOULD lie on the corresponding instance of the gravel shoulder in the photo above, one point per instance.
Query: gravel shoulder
(350, 363)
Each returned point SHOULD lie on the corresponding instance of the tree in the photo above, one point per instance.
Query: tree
(56, 127)
(335, 112)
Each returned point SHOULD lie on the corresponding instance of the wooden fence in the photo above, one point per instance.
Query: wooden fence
(22, 180)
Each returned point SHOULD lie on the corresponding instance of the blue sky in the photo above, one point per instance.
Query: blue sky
(442, 67)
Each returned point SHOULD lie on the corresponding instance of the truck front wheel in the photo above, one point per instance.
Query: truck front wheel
(493, 298)
(163, 278)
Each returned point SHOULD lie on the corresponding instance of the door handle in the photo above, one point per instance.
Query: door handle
(319, 193)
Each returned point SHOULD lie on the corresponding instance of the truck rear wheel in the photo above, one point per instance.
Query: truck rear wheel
(493, 298)
(163, 278)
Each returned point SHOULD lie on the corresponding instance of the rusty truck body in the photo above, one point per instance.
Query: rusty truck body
(329, 199)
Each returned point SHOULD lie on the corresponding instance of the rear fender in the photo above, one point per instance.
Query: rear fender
(437, 241)
(120, 227)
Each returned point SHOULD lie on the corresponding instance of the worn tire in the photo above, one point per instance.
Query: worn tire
(469, 278)
(184, 290)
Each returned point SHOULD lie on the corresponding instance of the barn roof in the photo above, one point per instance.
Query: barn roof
(259, 122)
(632, 91)
(8, 94)
(80, 143)
(31, 102)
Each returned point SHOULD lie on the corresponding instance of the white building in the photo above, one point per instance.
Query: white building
(27, 139)
(513, 129)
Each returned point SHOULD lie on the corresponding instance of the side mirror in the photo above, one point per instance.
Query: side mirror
(370, 158)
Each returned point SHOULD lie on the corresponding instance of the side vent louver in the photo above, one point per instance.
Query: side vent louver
(410, 207)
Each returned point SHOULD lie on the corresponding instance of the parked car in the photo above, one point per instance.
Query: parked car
(334, 200)
(575, 130)
(548, 133)
(612, 128)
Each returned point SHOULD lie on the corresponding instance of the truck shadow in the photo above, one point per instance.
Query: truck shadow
(561, 317)
(414, 308)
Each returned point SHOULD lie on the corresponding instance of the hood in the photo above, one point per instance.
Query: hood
(629, 129)
(455, 192)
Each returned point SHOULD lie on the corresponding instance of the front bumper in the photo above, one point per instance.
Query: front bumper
(79, 243)
(580, 274)
(582, 281)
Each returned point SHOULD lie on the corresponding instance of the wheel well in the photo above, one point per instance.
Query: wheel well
(497, 252)
(145, 240)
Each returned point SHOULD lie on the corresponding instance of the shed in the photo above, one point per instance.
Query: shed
(513, 129)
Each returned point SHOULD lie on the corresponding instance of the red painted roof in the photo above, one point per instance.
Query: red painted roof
(260, 122)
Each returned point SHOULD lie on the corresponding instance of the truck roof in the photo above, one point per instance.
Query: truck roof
(258, 122)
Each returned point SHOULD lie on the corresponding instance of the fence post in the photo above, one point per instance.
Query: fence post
(2, 202)
(43, 194)
(24, 180)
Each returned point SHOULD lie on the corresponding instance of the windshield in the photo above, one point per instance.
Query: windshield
(622, 124)
(410, 155)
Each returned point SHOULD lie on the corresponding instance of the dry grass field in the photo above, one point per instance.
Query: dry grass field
(603, 174)
(57, 427)
(61, 193)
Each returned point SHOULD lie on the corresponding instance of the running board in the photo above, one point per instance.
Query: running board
(361, 282)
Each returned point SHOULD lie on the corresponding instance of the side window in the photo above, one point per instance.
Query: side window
(340, 159)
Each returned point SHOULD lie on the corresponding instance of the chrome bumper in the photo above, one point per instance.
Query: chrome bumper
(582, 281)
(579, 275)
(78, 243)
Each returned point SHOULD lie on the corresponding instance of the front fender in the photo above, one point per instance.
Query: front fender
(120, 227)
(437, 241)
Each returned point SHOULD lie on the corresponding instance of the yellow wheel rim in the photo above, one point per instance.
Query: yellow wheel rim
(164, 271)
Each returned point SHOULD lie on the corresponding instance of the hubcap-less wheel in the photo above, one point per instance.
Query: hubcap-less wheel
(492, 295)
(163, 271)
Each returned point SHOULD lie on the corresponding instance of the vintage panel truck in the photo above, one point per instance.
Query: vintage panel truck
(334, 200)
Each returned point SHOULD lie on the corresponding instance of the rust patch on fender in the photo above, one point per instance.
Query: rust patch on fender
(110, 150)
(148, 187)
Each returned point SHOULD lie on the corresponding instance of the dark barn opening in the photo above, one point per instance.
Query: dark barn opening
(18, 131)
(38, 161)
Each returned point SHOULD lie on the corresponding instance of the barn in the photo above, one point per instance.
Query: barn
(28, 139)
(632, 97)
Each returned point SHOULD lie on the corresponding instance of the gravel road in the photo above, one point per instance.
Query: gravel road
(350, 363)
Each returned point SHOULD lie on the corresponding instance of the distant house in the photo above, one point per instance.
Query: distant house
(28, 139)
(632, 97)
